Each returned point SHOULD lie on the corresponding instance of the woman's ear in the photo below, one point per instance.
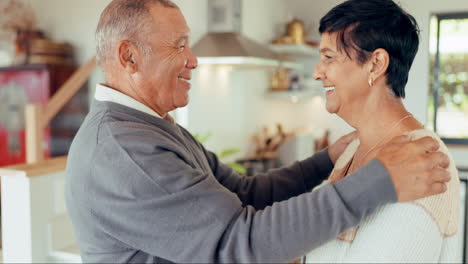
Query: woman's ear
(379, 62)
(128, 56)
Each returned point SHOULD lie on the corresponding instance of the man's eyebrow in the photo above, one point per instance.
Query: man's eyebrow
(183, 37)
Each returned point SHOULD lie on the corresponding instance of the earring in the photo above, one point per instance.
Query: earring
(371, 82)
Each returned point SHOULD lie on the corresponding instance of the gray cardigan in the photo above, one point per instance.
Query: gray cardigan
(140, 189)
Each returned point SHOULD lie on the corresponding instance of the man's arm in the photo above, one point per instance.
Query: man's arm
(150, 199)
(264, 189)
(281, 184)
(416, 169)
(168, 209)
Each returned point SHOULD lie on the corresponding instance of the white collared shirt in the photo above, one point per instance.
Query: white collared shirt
(104, 93)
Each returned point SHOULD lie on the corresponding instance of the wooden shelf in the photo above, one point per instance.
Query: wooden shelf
(248, 63)
(41, 168)
(310, 83)
(295, 96)
(295, 50)
(309, 87)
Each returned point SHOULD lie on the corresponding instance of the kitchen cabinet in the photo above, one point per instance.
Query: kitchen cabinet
(295, 50)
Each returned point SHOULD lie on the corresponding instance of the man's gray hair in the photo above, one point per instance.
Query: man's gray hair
(125, 20)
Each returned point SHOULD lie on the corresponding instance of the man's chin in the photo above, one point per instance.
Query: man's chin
(182, 103)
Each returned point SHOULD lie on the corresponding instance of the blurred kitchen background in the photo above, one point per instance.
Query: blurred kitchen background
(258, 110)
(235, 102)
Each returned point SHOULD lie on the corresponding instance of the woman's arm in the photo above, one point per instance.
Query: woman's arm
(401, 232)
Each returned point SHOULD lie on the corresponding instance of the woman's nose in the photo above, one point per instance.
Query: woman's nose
(317, 74)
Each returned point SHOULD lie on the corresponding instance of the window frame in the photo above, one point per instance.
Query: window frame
(436, 85)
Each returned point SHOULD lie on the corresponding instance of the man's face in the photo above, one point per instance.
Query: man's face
(165, 74)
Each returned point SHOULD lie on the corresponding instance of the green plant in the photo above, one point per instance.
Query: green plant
(202, 138)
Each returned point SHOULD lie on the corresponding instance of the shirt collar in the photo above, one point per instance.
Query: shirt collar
(104, 93)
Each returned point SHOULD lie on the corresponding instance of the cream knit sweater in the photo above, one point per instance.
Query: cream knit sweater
(425, 231)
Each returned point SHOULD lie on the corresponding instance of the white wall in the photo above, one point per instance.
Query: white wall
(76, 21)
(70, 21)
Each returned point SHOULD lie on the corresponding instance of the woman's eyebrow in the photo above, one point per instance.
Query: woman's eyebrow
(325, 50)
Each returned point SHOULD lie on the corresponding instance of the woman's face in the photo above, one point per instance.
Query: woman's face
(345, 81)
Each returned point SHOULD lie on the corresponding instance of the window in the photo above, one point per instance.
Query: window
(448, 102)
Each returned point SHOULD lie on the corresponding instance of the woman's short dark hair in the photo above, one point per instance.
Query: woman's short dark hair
(366, 25)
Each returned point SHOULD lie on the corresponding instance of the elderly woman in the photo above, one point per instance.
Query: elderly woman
(367, 48)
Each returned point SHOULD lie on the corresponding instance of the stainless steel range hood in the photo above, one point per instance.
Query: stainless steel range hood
(225, 45)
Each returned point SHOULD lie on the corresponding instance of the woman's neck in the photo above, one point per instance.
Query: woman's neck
(381, 121)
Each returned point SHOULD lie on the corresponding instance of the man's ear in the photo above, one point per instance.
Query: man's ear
(128, 56)
(378, 64)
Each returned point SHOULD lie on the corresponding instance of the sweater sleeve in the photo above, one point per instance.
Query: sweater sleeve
(264, 189)
(157, 203)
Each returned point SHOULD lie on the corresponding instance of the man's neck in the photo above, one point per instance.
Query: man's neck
(132, 91)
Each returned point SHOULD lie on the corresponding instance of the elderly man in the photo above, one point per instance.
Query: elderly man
(139, 188)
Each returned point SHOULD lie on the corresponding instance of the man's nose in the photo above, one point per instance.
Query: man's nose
(192, 61)
(317, 74)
